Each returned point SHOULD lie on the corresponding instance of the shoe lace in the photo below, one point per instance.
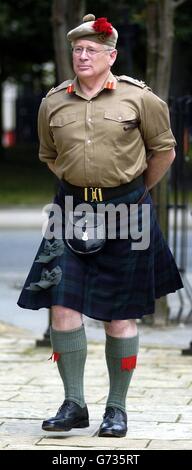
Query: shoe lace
(110, 412)
(65, 404)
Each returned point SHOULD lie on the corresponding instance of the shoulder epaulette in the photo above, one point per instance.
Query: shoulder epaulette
(133, 81)
(62, 86)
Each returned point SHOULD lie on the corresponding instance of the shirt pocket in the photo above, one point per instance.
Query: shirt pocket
(128, 120)
(122, 121)
(63, 128)
(121, 126)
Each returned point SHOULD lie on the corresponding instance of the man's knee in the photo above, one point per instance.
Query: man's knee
(121, 328)
(65, 318)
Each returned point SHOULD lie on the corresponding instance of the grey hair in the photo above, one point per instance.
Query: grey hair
(105, 47)
(109, 48)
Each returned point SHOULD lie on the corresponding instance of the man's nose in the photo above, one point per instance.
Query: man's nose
(83, 54)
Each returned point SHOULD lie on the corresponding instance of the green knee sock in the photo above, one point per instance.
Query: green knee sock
(72, 348)
(121, 356)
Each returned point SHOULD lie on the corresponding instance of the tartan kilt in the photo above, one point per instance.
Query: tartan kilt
(116, 283)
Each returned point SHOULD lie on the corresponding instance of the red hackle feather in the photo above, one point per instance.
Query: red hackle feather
(101, 25)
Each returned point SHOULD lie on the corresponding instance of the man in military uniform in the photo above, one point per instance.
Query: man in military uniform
(108, 137)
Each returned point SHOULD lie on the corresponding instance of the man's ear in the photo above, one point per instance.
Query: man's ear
(113, 56)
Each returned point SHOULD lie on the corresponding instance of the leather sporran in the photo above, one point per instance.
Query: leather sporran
(85, 233)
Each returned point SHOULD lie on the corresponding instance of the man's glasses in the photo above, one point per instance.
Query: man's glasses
(89, 51)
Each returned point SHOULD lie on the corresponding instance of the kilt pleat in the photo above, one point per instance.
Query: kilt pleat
(116, 283)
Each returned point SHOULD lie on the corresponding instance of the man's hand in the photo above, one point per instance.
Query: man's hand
(158, 165)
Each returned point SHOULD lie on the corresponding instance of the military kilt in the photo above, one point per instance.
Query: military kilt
(117, 283)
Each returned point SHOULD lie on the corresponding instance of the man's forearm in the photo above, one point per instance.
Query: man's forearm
(158, 165)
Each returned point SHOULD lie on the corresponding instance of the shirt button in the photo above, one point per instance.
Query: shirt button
(89, 101)
(89, 141)
(120, 117)
(90, 120)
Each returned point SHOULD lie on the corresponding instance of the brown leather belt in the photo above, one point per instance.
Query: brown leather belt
(96, 194)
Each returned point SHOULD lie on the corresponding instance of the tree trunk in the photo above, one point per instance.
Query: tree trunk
(160, 35)
(165, 47)
(152, 44)
(66, 15)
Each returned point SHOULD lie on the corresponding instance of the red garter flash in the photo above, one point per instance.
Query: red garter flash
(54, 357)
(128, 363)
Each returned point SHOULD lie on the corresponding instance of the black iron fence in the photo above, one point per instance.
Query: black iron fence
(179, 207)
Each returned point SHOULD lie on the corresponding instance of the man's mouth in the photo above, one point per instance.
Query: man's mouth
(84, 67)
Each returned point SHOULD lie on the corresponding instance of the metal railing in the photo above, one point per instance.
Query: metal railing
(180, 220)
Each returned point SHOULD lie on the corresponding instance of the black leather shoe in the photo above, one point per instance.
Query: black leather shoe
(114, 423)
(70, 415)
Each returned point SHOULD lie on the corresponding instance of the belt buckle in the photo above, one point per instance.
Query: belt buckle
(96, 194)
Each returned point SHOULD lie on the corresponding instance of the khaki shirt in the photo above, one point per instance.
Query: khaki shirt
(103, 140)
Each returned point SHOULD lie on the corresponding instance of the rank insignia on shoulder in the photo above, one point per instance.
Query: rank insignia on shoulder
(62, 86)
(133, 81)
(50, 91)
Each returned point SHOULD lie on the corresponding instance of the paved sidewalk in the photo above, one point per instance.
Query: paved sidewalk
(159, 403)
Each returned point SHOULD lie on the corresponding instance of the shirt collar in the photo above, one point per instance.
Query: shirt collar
(109, 84)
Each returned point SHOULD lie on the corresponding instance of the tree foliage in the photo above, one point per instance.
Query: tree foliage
(25, 35)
